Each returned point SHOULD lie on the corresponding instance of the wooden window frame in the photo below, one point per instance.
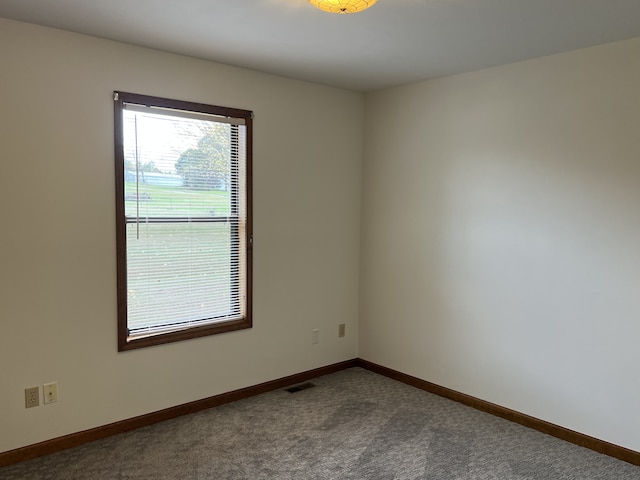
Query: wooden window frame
(124, 340)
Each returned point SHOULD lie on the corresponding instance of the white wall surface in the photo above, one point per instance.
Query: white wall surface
(501, 236)
(499, 242)
(58, 271)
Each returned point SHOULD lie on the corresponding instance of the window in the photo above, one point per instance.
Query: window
(183, 219)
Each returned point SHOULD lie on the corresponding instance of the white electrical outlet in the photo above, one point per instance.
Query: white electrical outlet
(315, 336)
(50, 391)
(31, 397)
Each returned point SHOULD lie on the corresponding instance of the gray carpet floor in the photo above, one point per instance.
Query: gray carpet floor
(352, 425)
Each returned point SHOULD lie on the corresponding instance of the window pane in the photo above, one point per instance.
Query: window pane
(176, 166)
(181, 273)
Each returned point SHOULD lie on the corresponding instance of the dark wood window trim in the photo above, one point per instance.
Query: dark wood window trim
(125, 342)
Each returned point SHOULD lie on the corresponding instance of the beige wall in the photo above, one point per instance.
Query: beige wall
(501, 236)
(57, 277)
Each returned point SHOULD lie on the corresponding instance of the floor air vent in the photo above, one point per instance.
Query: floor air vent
(297, 388)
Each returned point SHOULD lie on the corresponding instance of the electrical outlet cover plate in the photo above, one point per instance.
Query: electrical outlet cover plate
(31, 397)
(315, 336)
(341, 330)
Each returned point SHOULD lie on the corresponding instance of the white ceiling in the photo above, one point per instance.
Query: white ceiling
(394, 42)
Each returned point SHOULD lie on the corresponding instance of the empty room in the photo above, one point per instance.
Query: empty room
(320, 239)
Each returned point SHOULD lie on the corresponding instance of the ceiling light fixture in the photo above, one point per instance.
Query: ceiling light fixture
(342, 6)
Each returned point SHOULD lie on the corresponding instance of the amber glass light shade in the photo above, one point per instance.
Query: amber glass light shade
(342, 6)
